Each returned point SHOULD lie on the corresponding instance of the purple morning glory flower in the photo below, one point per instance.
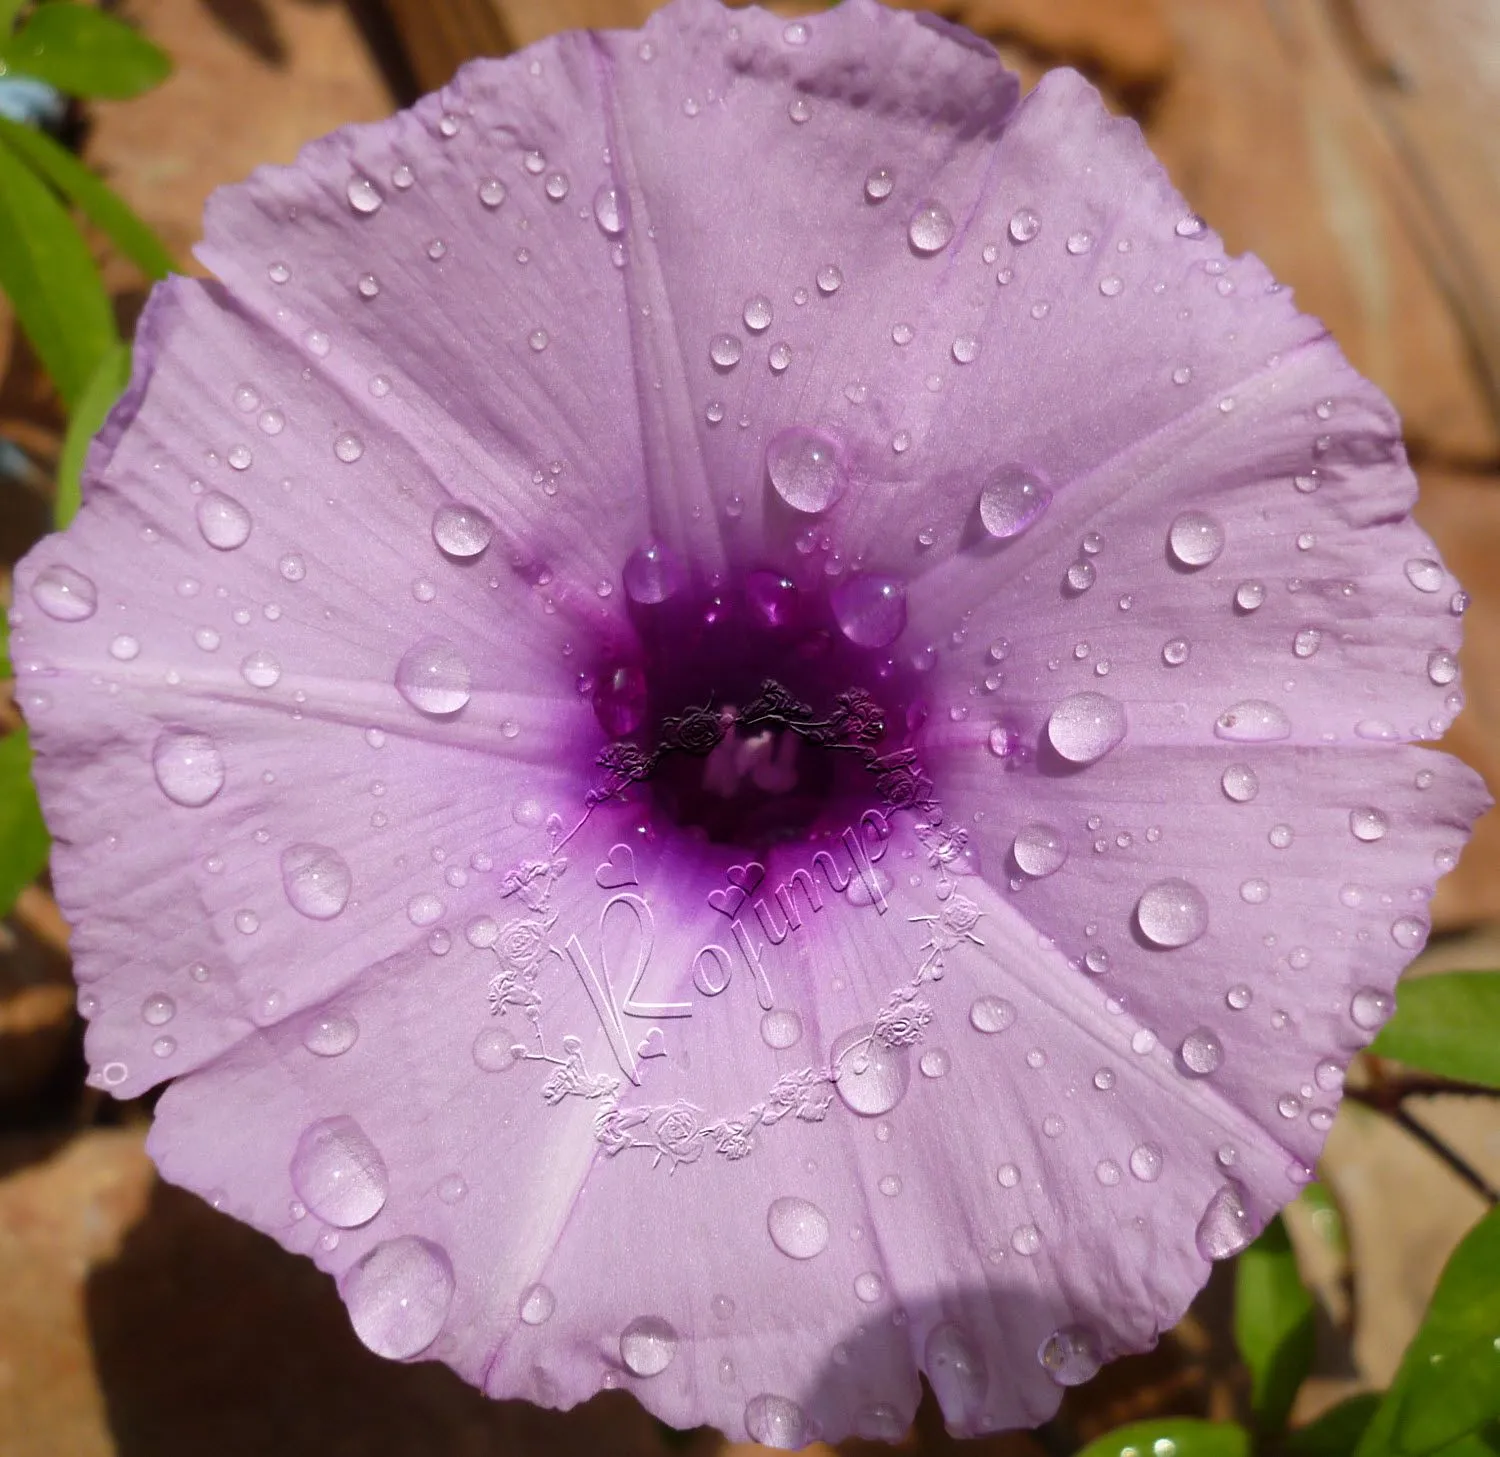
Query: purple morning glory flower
(741, 721)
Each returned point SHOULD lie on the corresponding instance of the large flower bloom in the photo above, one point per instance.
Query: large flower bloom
(741, 721)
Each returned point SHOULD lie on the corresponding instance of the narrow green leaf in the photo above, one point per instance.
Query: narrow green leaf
(84, 52)
(1273, 1324)
(50, 279)
(110, 213)
(1337, 1432)
(23, 836)
(1447, 1024)
(88, 416)
(1190, 1438)
(1448, 1386)
(1477, 1444)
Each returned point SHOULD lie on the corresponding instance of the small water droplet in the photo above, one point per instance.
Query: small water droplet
(870, 609)
(1025, 224)
(781, 1028)
(316, 879)
(260, 670)
(330, 1034)
(1240, 783)
(1424, 574)
(1249, 595)
(462, 532)
(1011, 501)
(879, 182)
(829, 279)
(1039, 849)
(1225, 1228)
(348, 447)
(776, 1421)
(991, 1014)
(652, 574)
(1146, 1161)
(1080, 243)
(1201, 1052)
(647, 1345)
(805, 469)
(223, 521)
(1070, 1356)
(1253, 721)
(725, 351)
(188, 767)
(1195, 539)
(1368, 824)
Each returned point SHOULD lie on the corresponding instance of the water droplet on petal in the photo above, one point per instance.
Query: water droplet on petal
(647, 1345)
(1424, 574)
(1370, 1008)
(1039, 849)
(1146, 1161)
(1195, 539)
(805, 469)
(461, 531)
(537, 1305)
(758, 313)
(348, 448)
(870, 609)
(829, 279)
(188, 767)
(610, 210)
(1070, 1356)
(776, 1421)
(1409, 933)
(364, 196)
(725, 351)
(879, 183)
(1368, 824)
(955, 1367)
(1172, 913)
(781, 1028)
(433, 677)
(330, 1034)
(317, 880)
(870, 1077)
(1442, 667)
(1201, 1052)
(930, 228)
(1085, 727)
(652, 574)
(260, 670)
(1240, 783)
(1249, 595)
(1225, 1228)
(398, 1296)
(339, 1174)
(1254, 721)
(1011, 501)
(65, 595)
(224, 522)
(797, 1227)
(1024, 225)
(1080, 243)
(991, 1014)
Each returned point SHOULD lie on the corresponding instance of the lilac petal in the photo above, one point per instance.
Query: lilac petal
(307, 691)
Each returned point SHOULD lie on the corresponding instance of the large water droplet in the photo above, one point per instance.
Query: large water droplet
(931, 228)
(647, 1345)
(1039, 849)
(1195, 539)
(317, 880)
(797, 1227)
(652, 574)
(1202, 1052)
(725, 351)
(398, 1296)
(64, 594)
(1011, 500)
(1024, 225)
(1368, 824)
(461, 531)
(870, 609)
(330, 1034)
(433, 677)
(1070, 1356)
(758, 313)
(364, 196)
(537, 1305)
(339, 1174)
(1146, 1161)
(870, 1077)
(991, 1014)
(879, 183)
(610, 210)
(1253, 721)
(781, 1028)
(260, 669)
(1085, 727)
(1240, 783)
(188, 767)
(1424, 574)
(1224, 1229)
(1172, 913)
(776, 1421)
(805, 469)
(224, 522)
(955, 1367)
(1370, 1008)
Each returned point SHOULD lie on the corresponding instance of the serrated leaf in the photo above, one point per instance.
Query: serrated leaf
(107, 211)
(88, 417)
(1337, 1432)
(23, 835)
(1273, 1324)
(50, 279)
(1447, 1024)
(1448, 1385)
(85, 52)
(1190, 1438)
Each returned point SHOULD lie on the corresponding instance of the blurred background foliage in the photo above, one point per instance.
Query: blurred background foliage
(1353, 143)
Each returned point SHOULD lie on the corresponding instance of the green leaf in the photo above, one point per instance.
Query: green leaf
(9, 9)
(107, 385)
(1273, 1324)
(110, 213)
(1191, 1438)
(1448, 1386)
(51, 281)
(1337, 1432)
(84, 52)
(1447, 1024)
(23, 836)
